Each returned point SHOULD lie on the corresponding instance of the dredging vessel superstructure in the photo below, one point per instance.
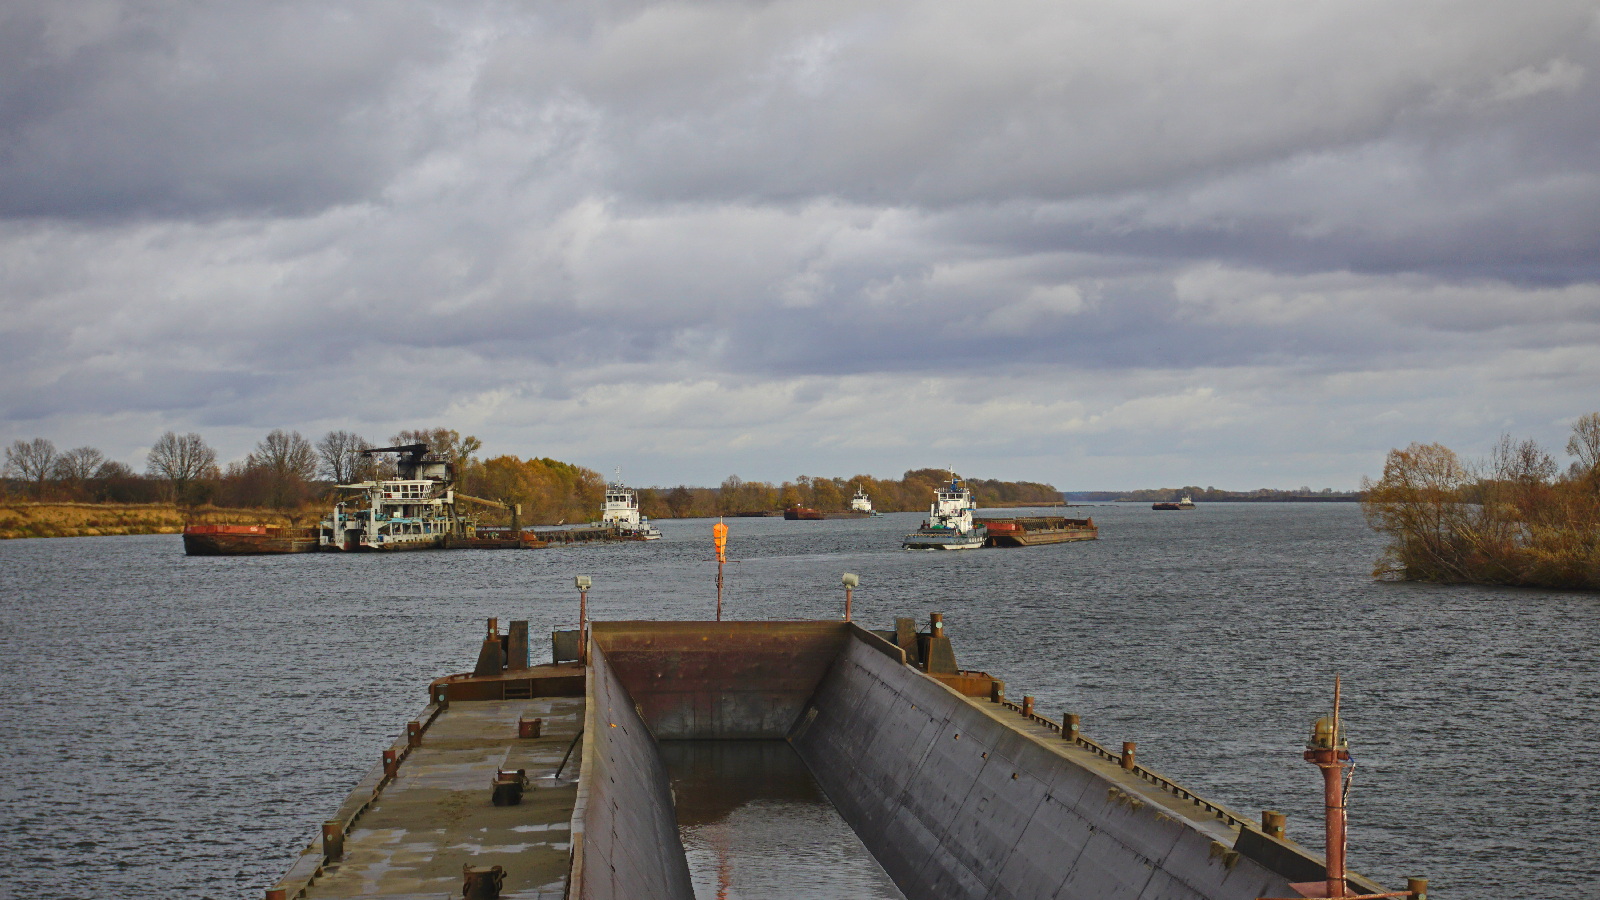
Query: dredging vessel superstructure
(416, 510)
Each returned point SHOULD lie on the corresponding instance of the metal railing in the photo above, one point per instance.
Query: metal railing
(1159, 781)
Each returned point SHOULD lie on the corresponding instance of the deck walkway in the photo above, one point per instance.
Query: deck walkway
(437, 814)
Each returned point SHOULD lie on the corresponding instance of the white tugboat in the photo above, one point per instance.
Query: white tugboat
(414, 511)
(861, 503)
(621, 513)
(949, 525)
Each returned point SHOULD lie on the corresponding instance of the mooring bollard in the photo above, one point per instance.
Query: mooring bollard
(332, 841)
(508, 786)
(277, 894)
(1418, 888)
(1069, 727)
(1027, 707)
(391, 763)
(1273, 822)
(529, 728)
(482, 882)
(413, 734)
(1127, 755)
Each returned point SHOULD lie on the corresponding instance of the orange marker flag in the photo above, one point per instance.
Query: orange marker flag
(719, 534)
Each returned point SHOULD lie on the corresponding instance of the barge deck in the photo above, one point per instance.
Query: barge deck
(957, 791)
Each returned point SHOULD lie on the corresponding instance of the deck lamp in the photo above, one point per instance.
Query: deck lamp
(582, 582)
(851, 582)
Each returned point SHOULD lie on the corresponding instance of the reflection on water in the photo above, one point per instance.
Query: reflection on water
(755, 825)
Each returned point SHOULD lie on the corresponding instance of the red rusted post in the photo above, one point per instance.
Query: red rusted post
(1027, 707)
(1328, 751)
(332, 841)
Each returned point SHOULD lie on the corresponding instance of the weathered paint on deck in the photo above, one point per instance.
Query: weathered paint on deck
(436, 814)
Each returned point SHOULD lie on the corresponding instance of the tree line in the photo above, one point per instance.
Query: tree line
(288, 472)
(912, 491)
(1515, 518)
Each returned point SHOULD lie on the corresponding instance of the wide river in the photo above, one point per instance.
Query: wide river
(181, 726)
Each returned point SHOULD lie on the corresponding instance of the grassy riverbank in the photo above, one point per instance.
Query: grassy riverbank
(35, 520)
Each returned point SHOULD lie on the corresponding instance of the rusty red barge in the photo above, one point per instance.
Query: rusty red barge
(1028, 531)
(248, 540)
(520, 780)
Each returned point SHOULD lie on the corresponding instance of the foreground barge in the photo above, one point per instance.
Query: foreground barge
(955, 790)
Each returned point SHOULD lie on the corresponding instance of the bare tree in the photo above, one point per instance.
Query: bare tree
(75, 467)
(1584, 445)
(32, 461)
(341, 459)
(181, 460)
(80, 464)
(289, 462)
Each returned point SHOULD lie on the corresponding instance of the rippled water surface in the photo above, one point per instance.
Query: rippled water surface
(181, 726)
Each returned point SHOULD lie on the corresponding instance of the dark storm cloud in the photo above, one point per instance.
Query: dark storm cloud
(711, 229)
(175, 109)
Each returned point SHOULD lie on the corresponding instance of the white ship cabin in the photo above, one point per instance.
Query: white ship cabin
(860, 502)
(621, 508)
(952, 506)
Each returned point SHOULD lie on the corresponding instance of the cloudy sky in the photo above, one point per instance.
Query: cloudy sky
(1104, 243)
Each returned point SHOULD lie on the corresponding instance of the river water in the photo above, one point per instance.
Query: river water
(181, 726)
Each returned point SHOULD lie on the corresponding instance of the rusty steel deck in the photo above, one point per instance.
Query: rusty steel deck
(413, 833)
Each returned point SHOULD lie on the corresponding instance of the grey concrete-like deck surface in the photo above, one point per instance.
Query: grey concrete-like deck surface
(437, 815)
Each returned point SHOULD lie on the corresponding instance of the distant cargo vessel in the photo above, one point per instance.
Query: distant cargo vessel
(1028, 531)
(803, 514)
(1185, 503)
(950, 525)
(247, 540)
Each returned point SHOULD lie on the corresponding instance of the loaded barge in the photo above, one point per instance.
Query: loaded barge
(248, 540)
(546, 781)
(1028, 531)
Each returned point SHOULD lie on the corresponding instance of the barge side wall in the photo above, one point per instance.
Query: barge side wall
(624, 827)
(956, 804)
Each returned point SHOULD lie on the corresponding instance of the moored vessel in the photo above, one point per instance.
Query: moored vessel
(620, 514)
(862, 504)
(1185, 503)
(799, 513)
(1028, 531)
(950, 525)
(414, 511)
(247, 540)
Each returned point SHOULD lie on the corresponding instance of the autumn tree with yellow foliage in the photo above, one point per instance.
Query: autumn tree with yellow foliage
(1515, 519)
